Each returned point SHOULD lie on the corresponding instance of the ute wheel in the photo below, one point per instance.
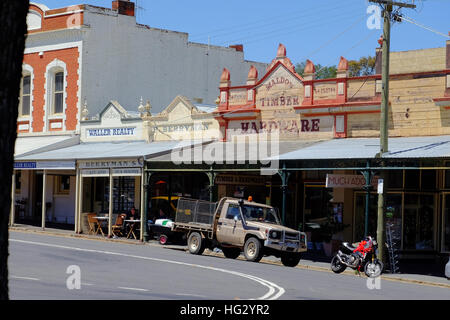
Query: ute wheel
(163, 239)
(231, 253)
(373, 269)
(253, 250)
(196, 244)
(337, 266)
(290, 259)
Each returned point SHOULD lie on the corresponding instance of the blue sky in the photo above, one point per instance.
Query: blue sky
(319, 30)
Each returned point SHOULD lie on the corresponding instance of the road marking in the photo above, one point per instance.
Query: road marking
(133, 289)
(190, 295)
(25, 278)
(274, 292)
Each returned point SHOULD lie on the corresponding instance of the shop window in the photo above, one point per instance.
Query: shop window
(446, 225)
(412, 179)
(63, 184)
(316, 175)
(418, 221)
(428, 180)
(394, 179)
(393, 217)
(18, 182)
(318, 213)
(123, 194)
(447, 177)
(360, 215)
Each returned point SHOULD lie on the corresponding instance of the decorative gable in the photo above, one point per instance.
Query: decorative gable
(279, 89)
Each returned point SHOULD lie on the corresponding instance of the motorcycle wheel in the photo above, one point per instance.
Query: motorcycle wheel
(373, 269)
(337, 266)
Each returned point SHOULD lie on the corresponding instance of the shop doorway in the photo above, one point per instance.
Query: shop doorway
(419, 221)
(35, 219)
(445, 246)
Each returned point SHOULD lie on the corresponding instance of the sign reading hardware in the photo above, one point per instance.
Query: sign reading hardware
(111, 132)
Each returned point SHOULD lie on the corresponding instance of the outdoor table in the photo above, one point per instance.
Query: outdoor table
(101, 220)
(132, 224)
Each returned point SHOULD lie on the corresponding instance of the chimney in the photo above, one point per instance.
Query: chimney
(124, 7)
(238, 47)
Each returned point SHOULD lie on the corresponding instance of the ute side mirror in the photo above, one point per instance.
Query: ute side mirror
(241, 202)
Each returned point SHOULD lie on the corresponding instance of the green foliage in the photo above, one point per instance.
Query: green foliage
(363, 67)
(321, 71)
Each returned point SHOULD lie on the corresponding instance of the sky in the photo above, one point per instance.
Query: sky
(319, 30)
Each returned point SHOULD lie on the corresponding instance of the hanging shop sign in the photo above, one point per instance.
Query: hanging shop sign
(95, 173)
(126, 172)
(120, 163)
(241, 179)
(348, 181)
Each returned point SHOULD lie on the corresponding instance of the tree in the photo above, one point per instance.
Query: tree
(13, 29)
(322, 72)
(363, 67)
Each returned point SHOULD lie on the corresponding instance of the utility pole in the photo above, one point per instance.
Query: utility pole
(387, 6)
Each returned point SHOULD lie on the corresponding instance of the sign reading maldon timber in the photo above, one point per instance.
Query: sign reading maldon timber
(280, 89)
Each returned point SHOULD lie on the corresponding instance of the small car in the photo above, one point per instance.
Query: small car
(162, 231)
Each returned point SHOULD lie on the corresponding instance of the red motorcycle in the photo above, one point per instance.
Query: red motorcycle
(363, 257)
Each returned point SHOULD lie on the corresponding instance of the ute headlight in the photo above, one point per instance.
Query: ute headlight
(275, 234)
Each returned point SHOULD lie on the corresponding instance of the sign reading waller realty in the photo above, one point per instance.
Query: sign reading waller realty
(348, 181)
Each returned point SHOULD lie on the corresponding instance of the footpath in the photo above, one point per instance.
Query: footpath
(422, 274)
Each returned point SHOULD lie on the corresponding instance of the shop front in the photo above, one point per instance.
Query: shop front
(109, 188)
(44, 193)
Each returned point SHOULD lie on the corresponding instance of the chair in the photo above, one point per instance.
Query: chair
(92, 221)
(118, 226)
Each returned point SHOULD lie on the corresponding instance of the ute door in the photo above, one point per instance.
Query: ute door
(230, 226)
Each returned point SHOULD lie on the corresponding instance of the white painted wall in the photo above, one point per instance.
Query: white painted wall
(123, 61)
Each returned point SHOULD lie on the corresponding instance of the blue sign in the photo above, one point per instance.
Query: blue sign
(25, 165)
(108, 132)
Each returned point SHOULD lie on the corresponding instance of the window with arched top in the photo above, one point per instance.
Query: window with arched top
(58, 92)
(34, 20)
(26, 92)
(56, 85)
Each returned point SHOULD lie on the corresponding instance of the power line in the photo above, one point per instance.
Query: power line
(282, 31)
(403, 17)
(258, 24)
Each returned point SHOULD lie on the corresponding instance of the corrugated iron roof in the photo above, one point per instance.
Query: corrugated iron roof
(110, 150)
(367, 148)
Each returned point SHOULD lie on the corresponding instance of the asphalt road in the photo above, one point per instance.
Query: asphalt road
(47, 267)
